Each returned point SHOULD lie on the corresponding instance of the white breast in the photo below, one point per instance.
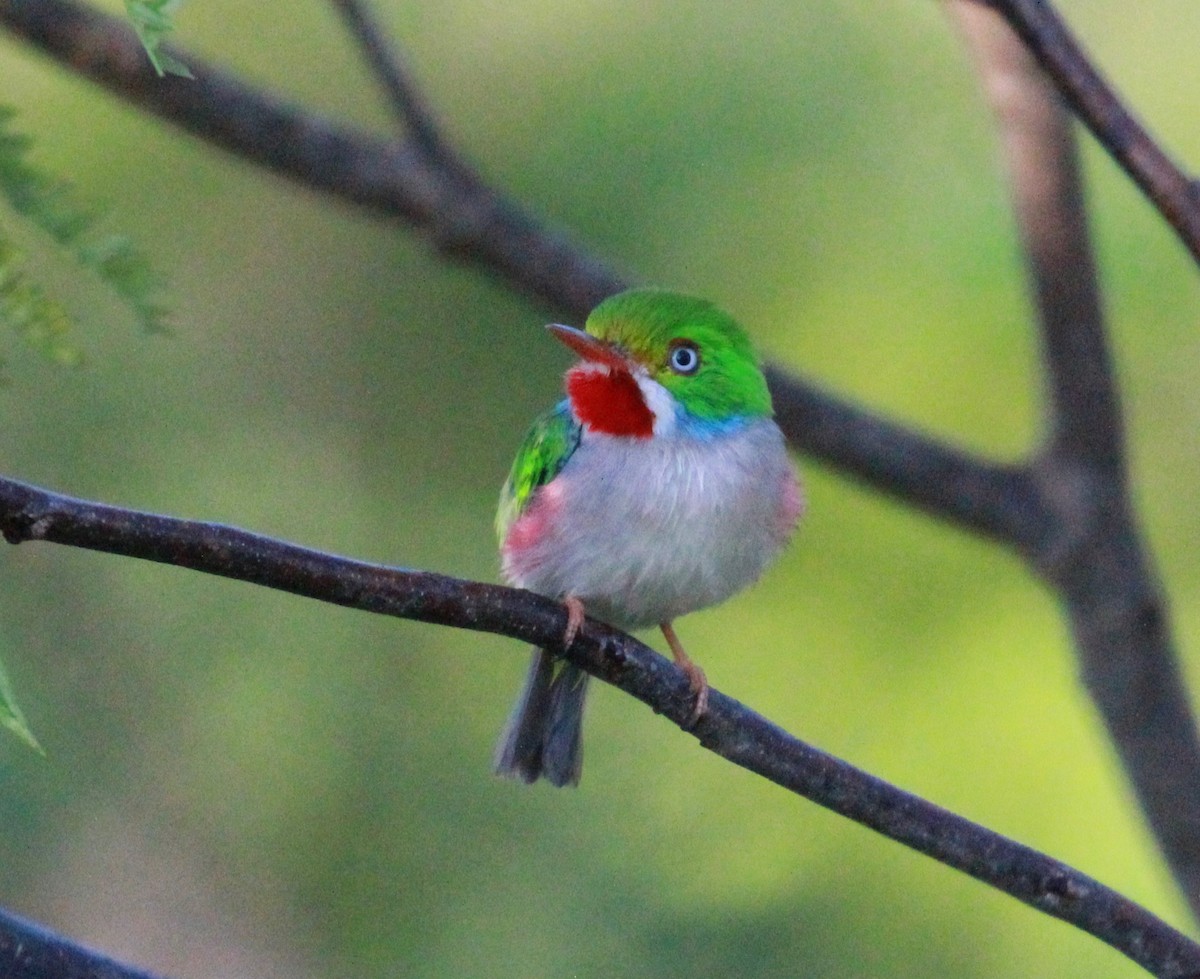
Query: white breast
(646, 530)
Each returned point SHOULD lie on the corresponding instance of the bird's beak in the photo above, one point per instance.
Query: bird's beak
(590, 348)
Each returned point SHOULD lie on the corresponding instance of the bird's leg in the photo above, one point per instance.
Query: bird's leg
(695, 675)
(574, 619)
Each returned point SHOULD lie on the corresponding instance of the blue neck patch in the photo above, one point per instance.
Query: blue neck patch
(688, 425)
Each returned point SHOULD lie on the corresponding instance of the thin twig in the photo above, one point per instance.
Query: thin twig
(728, 728)
(463, 219)
(1093, 556)
(1096, 103)
(407, 102)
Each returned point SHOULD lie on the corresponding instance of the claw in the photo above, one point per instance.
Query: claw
(696, 678)
(574, 619)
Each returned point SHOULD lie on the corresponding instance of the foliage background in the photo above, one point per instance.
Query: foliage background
(243, 783)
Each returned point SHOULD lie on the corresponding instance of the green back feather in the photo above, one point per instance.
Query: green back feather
(546, 449)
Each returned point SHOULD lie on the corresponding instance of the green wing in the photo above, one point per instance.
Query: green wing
(546, 449)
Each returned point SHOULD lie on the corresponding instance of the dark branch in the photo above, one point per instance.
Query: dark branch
(405, 98)
(1094, 556)
(995, 500)
(728, 728)
(1095, 102)
(29, 951)
(463, 218)
(1048, 197)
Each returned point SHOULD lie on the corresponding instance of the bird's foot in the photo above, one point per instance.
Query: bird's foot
(696, 678)
(574, 619)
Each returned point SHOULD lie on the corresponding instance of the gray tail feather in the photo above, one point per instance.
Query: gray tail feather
(544, 734)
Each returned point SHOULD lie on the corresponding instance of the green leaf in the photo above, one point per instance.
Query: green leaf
(11, 716)
(52, 205)
(40, 320)
(153, 22)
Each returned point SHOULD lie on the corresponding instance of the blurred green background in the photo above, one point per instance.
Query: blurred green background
(241, 783)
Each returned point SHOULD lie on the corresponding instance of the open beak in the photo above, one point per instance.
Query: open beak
(589, 347)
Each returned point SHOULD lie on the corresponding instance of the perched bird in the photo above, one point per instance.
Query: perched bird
(659, 486)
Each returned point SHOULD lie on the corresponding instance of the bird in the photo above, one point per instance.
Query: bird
(658, 486)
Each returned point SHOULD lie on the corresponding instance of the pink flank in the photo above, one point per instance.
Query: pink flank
(518, 553)
(791, 506)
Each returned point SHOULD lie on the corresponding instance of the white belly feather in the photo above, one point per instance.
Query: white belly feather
(646, 530)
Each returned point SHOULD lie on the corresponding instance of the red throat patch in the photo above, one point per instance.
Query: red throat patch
(609, 401)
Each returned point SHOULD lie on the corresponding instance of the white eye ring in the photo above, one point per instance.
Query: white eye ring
(684, 359)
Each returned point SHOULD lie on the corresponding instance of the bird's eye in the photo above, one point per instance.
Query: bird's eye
(684, 358)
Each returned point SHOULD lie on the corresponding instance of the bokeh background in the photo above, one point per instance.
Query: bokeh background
(240, 783)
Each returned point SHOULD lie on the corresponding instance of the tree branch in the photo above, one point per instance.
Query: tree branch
(728, 728)
(1047, 190)
(463, 218)
(996, 500)
(1093, 555)
(29, 951)
(406, 100)
(1169, 189)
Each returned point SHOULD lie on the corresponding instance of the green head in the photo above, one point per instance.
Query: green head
(696, 351)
